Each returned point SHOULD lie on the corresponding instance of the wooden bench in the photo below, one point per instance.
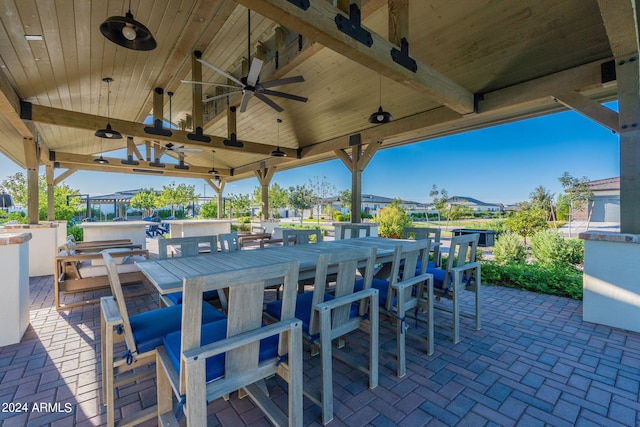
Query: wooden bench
(83, 270)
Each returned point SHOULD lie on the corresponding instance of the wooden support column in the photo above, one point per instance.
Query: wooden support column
(264, 176)
(31, 157)
(196, 75)
(628, 76)
(398, 21)
(357, 163)
(158, 106)
(50, 191)
(218, 188)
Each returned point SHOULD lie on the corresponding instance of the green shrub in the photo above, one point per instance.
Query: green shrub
(561, 280)
(550, 247)
(392, 220)
(508, 248)
(338, 216)
(76, 231)
(209, 210)
(497, 225)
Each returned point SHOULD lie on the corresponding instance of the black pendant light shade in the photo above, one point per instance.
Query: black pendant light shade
(108, 132)
(380, 117)
(127, 32)
(101, 160)
(278, 152)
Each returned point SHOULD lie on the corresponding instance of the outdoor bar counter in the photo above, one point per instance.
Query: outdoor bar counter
(133, 230)
(45, 239)
(14, 304)
(611, 289)
(198, 227)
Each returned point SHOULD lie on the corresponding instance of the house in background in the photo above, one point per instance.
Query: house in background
(475, 204)
(604, 206)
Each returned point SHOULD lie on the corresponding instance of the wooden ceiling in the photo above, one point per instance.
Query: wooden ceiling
(480, 63)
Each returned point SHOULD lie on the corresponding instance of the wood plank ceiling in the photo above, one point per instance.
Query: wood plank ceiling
(508, 56)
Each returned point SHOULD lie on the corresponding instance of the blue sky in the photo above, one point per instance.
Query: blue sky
(502, 164)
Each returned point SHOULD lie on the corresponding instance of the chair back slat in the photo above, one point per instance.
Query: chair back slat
(302, 237)
(118, 296)
(461, 252)
(189, 246)
(229, 242)
(355, 231)
(420, 233)
(404, 264)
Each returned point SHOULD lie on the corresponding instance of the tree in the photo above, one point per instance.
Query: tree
(16, 185)
(578, 191)
(209, 209)
(439, 200)
(180, 195)
(458, 212)
(345, 199)
(392, 220)
(145, 200)
(543, 199)
(240, 204)
(527, 221)
(300, 198)
(278, 197)
(322, 190)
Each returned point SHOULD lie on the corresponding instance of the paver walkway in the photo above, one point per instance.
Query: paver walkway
(535, 362)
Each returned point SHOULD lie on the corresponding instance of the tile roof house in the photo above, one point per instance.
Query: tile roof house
(604, 206)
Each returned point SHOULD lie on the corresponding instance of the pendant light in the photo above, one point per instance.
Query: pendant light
(108, 132)
(101, 160)
(380, 116)
(278, 152)
(127, 32)
(213, 170)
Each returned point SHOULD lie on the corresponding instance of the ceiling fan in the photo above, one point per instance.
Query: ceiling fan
(250, 85)
(182, 149)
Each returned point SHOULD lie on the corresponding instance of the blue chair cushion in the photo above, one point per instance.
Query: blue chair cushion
(438, 277)
(176, 297)
(210, 333)
(149, 328)
(381, 285)
(303, 308)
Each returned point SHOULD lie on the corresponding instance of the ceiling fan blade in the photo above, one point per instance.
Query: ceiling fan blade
(254, 71)
(218, 70)
(284, 95)
(245, 101)
(269, 102)
(224, 95)
(280, 82)
(209, 84)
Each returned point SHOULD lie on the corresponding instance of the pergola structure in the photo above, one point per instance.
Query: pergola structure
(439, 67)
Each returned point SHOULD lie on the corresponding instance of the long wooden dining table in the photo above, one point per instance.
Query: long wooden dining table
(167, 274)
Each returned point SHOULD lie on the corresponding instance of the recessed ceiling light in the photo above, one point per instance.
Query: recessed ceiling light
(33, 37)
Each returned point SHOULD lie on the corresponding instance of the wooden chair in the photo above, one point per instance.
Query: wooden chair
(355, 230)
(185, 246)
(461, 273)
(328, 317)
(292, 236)
(142, 333)
(229, 242)
(204, 362)
(432, 233)
(407, 291)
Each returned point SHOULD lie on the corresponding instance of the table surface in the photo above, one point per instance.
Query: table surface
(167, 274)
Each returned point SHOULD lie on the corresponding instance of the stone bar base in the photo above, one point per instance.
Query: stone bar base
(43, 248)
(611, 294)
(14, 304)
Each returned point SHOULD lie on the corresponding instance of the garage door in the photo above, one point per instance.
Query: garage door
(612, 210)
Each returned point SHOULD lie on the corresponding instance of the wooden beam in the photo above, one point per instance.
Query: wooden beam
(620, 22)
(218, 189)
(132, 149)
(356, 184)
(264, 176)
(398, 21)
(366, 157)
(590, 108)
(60, 117)
(86, 162)
(317, 23)
(51, 212)
(196, 90)
(342, 155)
(64, 175)
(10, 108)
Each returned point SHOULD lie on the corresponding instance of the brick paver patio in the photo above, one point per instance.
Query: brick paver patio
(535, 362)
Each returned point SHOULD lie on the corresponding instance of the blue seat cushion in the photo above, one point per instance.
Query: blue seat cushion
(176, 297)
(303, 308)
(438, 277)
(149, 328)
(210, 333)
(381, 285)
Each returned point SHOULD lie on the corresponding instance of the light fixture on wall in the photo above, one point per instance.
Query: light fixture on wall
(278, 152)
(213, 170)
(108, 132)
(127, 32)
(380, 116)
